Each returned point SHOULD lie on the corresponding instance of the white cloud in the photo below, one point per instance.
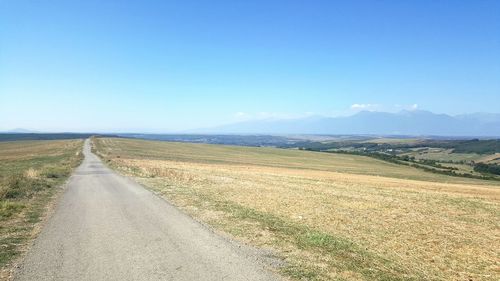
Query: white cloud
(364, 106)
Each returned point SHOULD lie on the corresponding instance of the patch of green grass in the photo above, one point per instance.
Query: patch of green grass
(323, 240)
(10, 248)
(301, 272)
(8, 209)
(38, 208)
(19, 186)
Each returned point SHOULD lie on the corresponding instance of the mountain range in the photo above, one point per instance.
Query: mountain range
(406, 122)
(403, 123)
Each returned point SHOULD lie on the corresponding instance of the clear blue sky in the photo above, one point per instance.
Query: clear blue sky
(174, 65)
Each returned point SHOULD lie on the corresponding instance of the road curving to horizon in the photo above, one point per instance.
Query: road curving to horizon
(107, 227)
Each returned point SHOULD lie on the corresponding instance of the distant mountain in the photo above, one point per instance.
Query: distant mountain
(415, 122)
(20, 131)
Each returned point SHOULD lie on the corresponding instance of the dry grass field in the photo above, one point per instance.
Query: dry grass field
(441, 154)
(30, 171)
(492, 158)
(328, 216)
(393, 141)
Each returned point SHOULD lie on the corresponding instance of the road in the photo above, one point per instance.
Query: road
(107, 227)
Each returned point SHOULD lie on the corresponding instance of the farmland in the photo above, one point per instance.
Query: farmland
(30, 172)
(327, 216)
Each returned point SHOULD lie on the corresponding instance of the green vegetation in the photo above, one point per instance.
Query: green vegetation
(478, 146)
(43, 136)
(30, 171)
(487, 168)
(448, 157)
(457, 146)
(427, 165)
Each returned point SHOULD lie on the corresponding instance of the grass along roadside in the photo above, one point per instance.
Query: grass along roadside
(30, 171)
(327, 224)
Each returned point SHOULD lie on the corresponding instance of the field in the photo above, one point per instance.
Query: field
(327, 216)
(393, 141)
(30, 171)
(455, 157)
(441, 154)
(493, 158)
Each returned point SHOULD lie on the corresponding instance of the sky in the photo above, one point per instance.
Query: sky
(164, 66)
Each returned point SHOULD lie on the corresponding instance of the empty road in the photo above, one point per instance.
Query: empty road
(107, 227)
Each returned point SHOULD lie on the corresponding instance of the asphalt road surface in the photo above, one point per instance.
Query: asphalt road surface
(107, 227)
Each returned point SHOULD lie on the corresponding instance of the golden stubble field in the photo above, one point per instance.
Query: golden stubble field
(327, 216)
